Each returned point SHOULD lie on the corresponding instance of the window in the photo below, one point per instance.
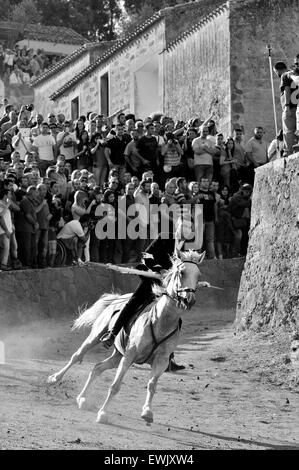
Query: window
(105, 94)
(75, 108)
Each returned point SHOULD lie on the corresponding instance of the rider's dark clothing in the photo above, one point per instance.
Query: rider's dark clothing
(161, 251)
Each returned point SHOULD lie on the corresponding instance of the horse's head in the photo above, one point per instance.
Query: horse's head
(185, 275)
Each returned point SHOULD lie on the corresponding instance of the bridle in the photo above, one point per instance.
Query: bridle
(178, 298)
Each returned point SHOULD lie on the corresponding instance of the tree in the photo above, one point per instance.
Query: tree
(94, 19)
(134, 6)
(137, 11)
(25, 12)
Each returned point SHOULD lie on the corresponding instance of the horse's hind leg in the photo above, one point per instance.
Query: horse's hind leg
(124, 365)
(90, 341)
(158, 367)
(109, 363)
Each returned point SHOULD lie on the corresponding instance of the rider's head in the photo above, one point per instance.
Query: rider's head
(148, 260)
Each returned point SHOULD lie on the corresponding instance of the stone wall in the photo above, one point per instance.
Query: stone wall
(36, 294)
(269, 288)
(121, 68)
(197, 75)
(180, 17)
(253, 25)
(43, 90)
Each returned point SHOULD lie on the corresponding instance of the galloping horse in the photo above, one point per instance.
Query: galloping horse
(153, 336)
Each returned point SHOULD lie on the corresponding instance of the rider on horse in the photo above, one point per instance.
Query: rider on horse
(155, 259)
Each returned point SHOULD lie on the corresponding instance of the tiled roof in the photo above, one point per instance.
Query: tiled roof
(211, 8)
(37, 32)
(110, 52)
(65, 61)
(196, 26)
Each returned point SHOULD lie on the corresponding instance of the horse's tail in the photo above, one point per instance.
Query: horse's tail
(89, 316)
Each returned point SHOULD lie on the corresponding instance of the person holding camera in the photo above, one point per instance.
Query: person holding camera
(66, 144)
(172, 155)
(21, 142)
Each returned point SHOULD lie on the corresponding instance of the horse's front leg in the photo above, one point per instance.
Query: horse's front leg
(90, 341)
(109, 363)
(158, 367)
(124, 365)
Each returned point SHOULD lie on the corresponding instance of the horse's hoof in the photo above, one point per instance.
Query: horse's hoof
(148, 416)
(80, 401)
(52, 379)
(102, 417)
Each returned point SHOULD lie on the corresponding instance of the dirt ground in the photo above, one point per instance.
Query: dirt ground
(237, 392)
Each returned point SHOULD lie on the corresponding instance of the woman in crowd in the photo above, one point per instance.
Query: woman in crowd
(228, 167)
(82, 156)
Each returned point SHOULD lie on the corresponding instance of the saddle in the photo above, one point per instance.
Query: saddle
(122, 338)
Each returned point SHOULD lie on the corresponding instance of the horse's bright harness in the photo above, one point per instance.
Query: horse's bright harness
(177, 299)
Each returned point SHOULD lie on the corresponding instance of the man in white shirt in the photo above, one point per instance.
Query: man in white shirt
(21, 142)
(256, 151)
(45, 145)
(74, 235)
(203, 149)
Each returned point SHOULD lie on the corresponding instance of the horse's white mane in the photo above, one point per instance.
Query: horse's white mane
(190, 255)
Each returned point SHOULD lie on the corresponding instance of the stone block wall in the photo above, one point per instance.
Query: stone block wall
(43, 90)
(179, 18)
(197, 74)
(121, 68)
(29, 295)
(269, 288)
(253, 25)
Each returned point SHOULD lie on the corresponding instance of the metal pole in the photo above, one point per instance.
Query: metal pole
(272, 86)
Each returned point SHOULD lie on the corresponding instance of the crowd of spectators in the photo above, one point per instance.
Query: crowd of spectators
(23, 65)
(56, 175)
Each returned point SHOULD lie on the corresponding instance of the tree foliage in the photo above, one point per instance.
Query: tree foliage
(137, 11)
(94, 19)
(25, 12)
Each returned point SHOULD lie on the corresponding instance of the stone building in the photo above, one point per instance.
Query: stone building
(189, 60)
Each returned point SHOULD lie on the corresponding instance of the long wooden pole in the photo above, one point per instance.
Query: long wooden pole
(272, 86)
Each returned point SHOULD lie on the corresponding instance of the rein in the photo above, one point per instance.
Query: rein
(158, 343)
(178, 298)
